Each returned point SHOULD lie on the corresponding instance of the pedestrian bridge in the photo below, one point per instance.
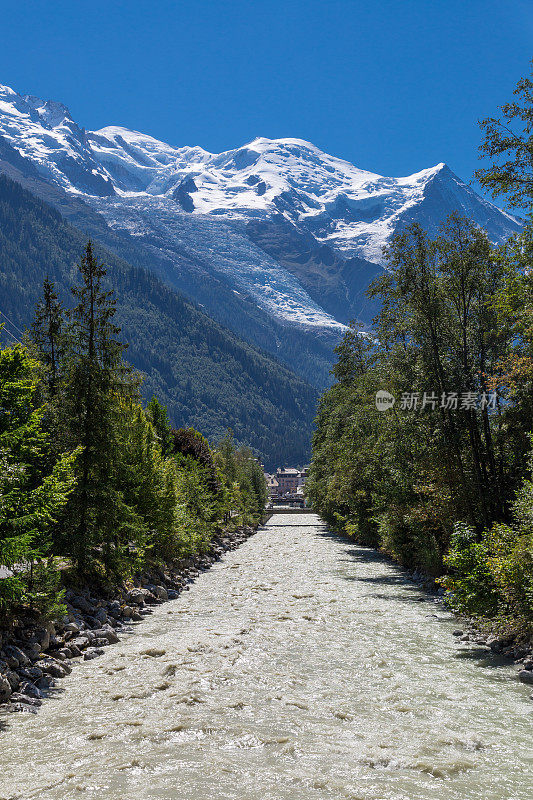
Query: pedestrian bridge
(286, 510)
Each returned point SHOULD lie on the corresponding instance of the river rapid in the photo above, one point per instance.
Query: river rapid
(300, 667)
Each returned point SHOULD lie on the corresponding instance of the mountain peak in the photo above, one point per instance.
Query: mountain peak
(51, 112)
(350, 210)
(262, 142)
(7, 91)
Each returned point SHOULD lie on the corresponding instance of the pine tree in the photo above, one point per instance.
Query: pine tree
(46, 333)
(100, 525)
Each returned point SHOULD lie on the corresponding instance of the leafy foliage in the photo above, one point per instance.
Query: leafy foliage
(493, 576)
(508, 144)
(90, 479)
(434, 488)
(401, 478)
(32, 495)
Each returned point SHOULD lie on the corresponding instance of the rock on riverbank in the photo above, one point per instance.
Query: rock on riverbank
(33, 657)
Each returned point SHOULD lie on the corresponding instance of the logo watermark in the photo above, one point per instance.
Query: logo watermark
(384, 400)
(449, 401)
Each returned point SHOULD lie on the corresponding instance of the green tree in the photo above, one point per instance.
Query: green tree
(401, 478)
(100, 525)
(31, 497)
(508, 145)
(46, 333)
(158, 416)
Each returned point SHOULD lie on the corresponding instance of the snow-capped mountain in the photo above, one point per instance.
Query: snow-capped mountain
(350, 209)
(279, 223)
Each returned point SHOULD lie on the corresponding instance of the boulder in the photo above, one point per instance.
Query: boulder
(13, 678)
(71, 627)
(93, 652)
(55, 669)
(30, 673)
(45, 682)
(525, 676)
(499, 643)
(55, 642)
(93, 622)
(15, 657)
(101, 616)
(137, 596)
(33, 651)
(24, 699)
(5, 689)
(30, 690)
(41, 636)
(83, 604)
(114, 609)
(58, 656)
(106, 633)
(80, 642)
(158, 592)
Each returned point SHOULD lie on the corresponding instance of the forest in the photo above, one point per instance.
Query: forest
(439, 477)
(95, 485)
(206, 376)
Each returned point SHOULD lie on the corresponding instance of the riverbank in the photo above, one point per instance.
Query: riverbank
(500, 640)
(300, 666)
(503, 642)
(34, 656)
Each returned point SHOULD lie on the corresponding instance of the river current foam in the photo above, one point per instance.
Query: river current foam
(300, 667)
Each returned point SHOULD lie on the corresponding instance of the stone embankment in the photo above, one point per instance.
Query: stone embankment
(33, 657)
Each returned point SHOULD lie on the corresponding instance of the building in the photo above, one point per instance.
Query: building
(272, 486)
(304, 474)
(288, 480)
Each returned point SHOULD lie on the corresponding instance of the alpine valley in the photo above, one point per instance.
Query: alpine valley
(275, 240)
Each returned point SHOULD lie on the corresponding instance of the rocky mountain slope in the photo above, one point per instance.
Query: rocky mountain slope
(206, 375)
(276, 239)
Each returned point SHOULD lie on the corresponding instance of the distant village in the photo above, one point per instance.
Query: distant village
(286, 486)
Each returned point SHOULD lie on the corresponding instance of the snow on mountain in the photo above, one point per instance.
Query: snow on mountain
(44, 132)
(294, 229)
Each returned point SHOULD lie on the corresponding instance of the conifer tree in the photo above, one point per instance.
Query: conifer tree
(100, 524)
(46, 332)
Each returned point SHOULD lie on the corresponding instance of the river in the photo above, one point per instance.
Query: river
(300, 667)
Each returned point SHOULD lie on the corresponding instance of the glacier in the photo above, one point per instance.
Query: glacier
(290, 228)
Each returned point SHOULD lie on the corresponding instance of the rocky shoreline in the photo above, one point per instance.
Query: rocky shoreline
(33, 657)
(507, 644)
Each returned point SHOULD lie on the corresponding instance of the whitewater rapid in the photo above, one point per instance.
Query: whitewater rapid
(299, 667)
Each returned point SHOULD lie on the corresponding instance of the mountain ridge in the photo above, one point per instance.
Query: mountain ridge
(207, 376)
(275, 239)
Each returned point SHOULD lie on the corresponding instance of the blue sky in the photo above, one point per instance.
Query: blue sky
(393, 86)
